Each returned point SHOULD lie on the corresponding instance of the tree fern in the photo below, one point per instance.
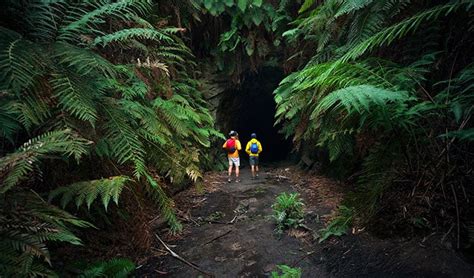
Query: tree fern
(372, 97)
(149, 122)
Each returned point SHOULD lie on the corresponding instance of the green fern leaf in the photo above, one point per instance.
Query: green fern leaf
(76, 97)
(16, 166)
(88, 191)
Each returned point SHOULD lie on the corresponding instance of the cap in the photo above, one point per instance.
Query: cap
(253, 135)
(232, 133)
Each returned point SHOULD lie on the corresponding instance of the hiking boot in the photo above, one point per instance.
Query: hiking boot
(229, 180)
(237, 180)
(256, 176)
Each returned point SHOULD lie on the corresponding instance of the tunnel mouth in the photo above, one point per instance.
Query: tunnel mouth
(250, 108)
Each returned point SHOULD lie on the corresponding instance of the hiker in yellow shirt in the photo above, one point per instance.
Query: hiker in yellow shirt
(232, 145)
(254, 148)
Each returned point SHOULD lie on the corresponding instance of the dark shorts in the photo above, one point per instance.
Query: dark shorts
(253, 160)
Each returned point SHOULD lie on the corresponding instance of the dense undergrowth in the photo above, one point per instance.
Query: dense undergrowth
(95, 101)
(386, 100)
(102, 114)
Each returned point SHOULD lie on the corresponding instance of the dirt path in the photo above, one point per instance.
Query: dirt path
(248, 247)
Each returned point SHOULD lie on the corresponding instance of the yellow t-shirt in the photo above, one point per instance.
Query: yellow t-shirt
(238, 147)
(247, 148)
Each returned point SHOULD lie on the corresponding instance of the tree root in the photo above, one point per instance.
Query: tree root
(217, 237)
(178, 257)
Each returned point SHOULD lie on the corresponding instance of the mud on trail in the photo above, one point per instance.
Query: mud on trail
(229, 232)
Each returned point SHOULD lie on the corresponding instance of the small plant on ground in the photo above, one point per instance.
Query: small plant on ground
(116, 268)
(288, 211)
(286, 272)
(215, 216)
(338, 225)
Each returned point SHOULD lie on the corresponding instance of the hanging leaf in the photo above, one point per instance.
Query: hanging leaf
(208, 4)
(257, 16)
(257, 3)
(229, 3)
(242, 5)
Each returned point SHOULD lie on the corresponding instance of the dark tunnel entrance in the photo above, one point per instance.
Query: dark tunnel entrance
(251, 108)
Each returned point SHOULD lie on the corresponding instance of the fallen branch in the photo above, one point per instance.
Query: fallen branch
(220, 222)
(217, 237)
(178, 257)
(306, 228)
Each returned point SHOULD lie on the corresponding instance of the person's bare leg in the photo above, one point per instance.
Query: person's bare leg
(230, 173)
(237, 172)
(256, 170)
(253, 171)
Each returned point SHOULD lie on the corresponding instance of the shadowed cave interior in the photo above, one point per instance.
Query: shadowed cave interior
(251, 108)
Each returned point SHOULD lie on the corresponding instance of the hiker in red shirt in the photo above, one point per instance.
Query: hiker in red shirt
(232, 146)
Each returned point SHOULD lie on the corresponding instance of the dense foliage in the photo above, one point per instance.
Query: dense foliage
(94, 99)
(101, 111)
(387, 91)
(249, 33)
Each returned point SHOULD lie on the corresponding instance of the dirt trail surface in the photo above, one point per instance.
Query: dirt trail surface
(229, 232)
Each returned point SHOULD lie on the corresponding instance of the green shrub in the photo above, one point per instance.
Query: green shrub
(339, 225)
(288, 211)
(287, 272)
(116, 268)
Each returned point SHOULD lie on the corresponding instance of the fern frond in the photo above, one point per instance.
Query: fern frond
(153, 128)
(117, 268)
(17, 166)
(82, 60)
(43, 18)
(33, 109)
(165, 203)
(81, 20)
(86, 192)
(76, 96)
(124, 140)
(129, 85)
(390, 34)
(357, 99)
(9, 124)
(132, 33)
(27, 223)
(351, 6)
(20, 61)
(467, 134)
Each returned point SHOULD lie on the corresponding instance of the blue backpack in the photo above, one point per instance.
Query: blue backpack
(254, 148)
